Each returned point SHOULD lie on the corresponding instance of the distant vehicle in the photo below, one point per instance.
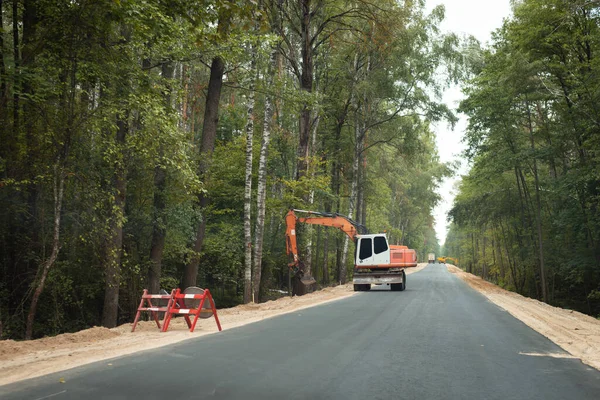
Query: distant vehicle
(444, 260)
(431, 258)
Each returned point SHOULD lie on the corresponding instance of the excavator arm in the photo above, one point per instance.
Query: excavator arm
(341, 222)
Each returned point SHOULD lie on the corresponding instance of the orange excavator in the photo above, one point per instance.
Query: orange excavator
(376, 261)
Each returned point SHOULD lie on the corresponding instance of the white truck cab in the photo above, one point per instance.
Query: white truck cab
(377, 262)
(372, 250)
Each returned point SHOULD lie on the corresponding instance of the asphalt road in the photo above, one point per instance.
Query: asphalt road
(439, 339)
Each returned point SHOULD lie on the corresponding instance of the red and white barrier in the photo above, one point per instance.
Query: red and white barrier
(178, 306)
(154, 310)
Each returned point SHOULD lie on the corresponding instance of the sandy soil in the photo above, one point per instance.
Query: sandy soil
(23, 360)
(577, 333)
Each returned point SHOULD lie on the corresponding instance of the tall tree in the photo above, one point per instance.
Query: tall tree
(248, 180)
(207, 144)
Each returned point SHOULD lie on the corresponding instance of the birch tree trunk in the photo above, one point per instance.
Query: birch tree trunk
(248, 185)
(59, 183)
(261, 195)
(311, 200)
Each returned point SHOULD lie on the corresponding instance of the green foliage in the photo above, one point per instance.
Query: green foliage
(533, 132)
(91, 94)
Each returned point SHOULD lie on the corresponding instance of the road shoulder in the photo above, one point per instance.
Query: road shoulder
(576, 333)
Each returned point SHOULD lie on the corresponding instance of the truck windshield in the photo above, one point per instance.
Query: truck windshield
(366, 249)
(380, 244)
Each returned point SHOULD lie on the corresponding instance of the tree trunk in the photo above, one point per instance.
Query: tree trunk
(484, 266)
(315, 270)
(473, 261)
(28, 53)
(362, 185)
(355, 171)
(325, 268)
(311, 200)
(358, 206)
(3, 91)
(261, 195)
(352, 199)
(248, 184)
(16, 83)
(499, 251)
(209, 134)
(335, 187)
(538, 211)
(114, 243)
(59, 181)
(5, 137)
(306, 84)
(207, 146)
(159, 229)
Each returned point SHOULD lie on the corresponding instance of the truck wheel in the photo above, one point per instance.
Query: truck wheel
(403, 284)
(367, 287)
(357, 288)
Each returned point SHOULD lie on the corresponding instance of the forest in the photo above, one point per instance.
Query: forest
(158, 144)
(527, 215)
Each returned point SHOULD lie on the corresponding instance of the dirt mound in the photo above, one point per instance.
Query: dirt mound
(88, 335)
(10, 348)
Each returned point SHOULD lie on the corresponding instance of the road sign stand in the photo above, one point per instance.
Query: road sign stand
(154, 310)
(178, 306)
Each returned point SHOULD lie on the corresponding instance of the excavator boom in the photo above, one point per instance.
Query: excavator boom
(343, 223)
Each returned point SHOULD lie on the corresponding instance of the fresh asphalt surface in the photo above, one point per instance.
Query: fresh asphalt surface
(439, 339)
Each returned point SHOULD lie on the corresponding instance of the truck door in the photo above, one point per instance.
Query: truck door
(365, 252)
(381, 250)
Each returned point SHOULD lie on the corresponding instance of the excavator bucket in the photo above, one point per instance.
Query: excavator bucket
(307, 280)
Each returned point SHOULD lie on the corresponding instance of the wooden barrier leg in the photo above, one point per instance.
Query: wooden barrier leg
(168, 316)
(198, 313)
(169, 305)
(154, 314)
(167, 322)
(181, 304)
(137, 316)
(188, 321)
(214, 309)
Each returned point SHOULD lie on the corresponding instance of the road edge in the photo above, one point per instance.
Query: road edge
(576, 333)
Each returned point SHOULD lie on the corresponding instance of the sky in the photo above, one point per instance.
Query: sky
(478, 18)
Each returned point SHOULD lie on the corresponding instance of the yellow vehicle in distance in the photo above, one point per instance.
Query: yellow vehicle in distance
(451, 260)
